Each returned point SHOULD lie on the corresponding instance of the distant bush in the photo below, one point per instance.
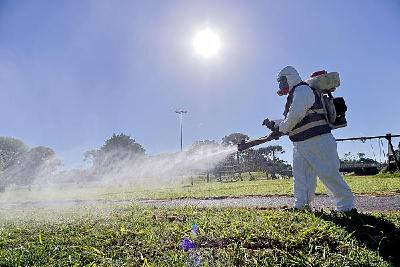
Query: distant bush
(389, 174)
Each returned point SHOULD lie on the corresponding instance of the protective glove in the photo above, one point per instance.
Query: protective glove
(271, 125)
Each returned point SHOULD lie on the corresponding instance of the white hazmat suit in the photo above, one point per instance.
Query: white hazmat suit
(316, 156)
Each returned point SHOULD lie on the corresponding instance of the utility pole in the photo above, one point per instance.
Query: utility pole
(181, 112)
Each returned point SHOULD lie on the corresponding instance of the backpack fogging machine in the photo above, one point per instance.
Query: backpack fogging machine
(335, 108)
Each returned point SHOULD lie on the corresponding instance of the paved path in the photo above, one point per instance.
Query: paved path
(363, 203)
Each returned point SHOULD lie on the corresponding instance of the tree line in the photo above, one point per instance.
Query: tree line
(264, 159)
(22, 165)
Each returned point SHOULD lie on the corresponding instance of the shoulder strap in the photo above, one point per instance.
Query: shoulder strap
(302, 83)
(289, 98)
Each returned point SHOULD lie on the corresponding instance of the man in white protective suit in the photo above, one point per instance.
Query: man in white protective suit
(315, 150)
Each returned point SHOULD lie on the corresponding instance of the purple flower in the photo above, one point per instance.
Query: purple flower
(187, 244)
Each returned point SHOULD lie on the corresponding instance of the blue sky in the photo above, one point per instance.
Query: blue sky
(72, 73)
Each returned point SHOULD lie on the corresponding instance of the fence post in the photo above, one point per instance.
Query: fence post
(392, 151)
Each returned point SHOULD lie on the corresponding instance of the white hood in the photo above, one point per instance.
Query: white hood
(292, 76)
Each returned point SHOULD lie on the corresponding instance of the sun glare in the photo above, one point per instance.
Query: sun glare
(206, 43)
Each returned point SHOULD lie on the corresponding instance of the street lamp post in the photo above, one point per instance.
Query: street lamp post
(181, 112)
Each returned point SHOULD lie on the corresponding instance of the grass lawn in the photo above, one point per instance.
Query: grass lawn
(359, 184)
(120, 235)
(376, 185)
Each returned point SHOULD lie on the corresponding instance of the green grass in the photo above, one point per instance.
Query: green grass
(376, 185)
(136, 236)
(115, 234)
(389, 174)
(359, 184)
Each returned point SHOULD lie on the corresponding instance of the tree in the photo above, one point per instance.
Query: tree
(38, 162)
(265, 159)
(234, 138)
(348, 158)
(11, 150)
(252, 161)
(122, 142)
(21, 165)
(203, 143)
(117, 149)
(271, 151)
(360, 155)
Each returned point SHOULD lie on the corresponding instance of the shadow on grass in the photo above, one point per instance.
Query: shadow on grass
(374, 233)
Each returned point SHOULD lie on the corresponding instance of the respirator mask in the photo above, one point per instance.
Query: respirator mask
(283, 86)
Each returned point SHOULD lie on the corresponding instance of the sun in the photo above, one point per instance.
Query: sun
(207, 43)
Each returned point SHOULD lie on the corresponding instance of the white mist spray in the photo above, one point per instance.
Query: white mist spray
(168, 168)
(150, 172)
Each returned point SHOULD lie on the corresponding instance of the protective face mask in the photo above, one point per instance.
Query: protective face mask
(283, 86)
